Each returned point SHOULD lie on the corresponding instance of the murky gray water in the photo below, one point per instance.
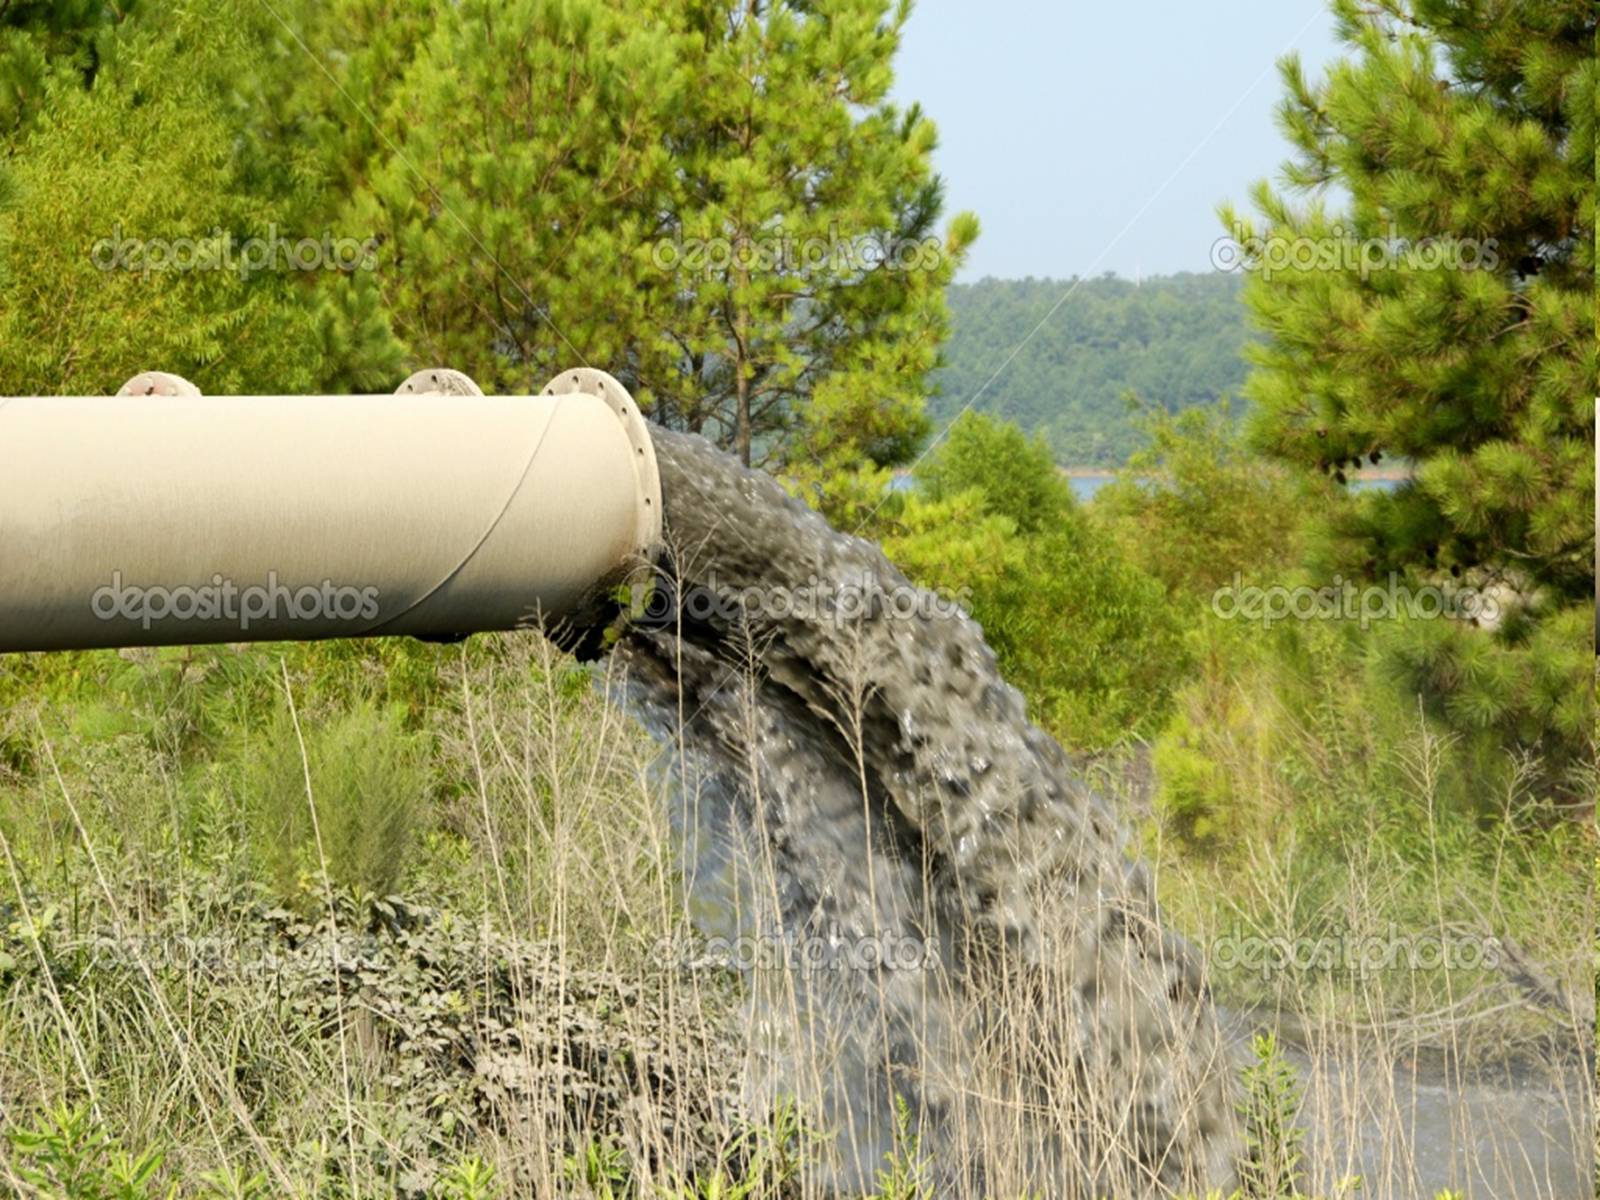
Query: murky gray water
(863, 793)
(1414, 1126)
(1413, 1133)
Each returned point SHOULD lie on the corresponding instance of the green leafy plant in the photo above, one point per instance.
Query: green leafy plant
(70, 1156)
(469, 1179)
(1446, 320)
(1271, 1166)
(1087, 636)
(904, 1175)
(599, 1169)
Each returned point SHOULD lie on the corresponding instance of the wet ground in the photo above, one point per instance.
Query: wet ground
(1414, 1132)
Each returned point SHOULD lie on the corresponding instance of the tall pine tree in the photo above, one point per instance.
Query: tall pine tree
(696, 195)
(1442, 314)
(518, 168)
(809, 292)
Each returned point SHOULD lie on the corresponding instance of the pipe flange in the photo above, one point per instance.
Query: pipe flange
(439, 381)
(591, 382)
(158, 383)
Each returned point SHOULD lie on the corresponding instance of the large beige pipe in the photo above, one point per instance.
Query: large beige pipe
(165, 517)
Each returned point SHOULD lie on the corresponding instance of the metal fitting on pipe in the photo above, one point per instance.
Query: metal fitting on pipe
(162, 517)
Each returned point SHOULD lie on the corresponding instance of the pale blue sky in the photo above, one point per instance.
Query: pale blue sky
(1060, 121)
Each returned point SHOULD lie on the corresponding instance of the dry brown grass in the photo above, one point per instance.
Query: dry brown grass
(554, 817)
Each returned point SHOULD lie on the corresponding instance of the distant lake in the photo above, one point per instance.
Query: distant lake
(1087, 481)
(1084, 483)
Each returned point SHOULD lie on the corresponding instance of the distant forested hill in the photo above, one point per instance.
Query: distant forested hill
(1175, 341)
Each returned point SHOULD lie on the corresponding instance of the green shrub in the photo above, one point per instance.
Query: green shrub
(69, 1156)
(1193, 789)
(1088, 637)
(1274, 1146)
(1196, 507)
(359, 785)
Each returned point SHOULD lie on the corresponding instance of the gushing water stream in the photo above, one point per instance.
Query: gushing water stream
(938, 908)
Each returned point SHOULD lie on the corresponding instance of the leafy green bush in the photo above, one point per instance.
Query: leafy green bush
(354, 794)
(1195, 507)
(1194, 791)
(1274, 1146)
(68, 1154)
(1086, 635)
